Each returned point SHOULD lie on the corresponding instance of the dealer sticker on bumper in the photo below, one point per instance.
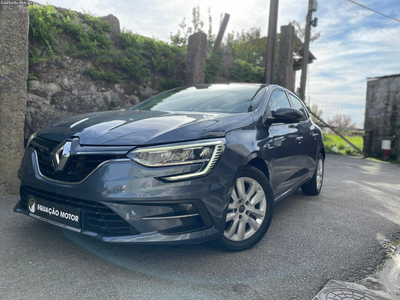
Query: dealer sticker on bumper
(54, 213)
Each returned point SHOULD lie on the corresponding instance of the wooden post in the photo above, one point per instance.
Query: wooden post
(271, 41)
(306, 47)
(221, 32)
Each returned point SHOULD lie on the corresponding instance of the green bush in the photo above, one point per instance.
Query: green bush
(215, 66)
(244, 72)
(138, 58)
(100, 74)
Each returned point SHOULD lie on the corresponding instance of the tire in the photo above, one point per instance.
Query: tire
(253, 213)
(314, 185)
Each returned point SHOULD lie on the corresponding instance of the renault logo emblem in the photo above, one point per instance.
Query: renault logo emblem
(60, 155)
(32, 205)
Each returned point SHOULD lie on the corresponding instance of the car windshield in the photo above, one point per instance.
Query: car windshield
(207, 98)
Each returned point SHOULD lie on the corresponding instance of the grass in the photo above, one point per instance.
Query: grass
(335, 144)
(332, 140)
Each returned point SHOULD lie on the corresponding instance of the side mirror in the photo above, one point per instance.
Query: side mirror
(285, 115)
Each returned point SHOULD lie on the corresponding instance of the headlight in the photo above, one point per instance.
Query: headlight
(30, 139)
(200, 152)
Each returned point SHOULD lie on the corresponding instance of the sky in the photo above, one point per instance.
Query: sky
(355, 43)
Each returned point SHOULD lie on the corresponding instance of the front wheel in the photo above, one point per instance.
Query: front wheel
(250, 211)
(314, 185)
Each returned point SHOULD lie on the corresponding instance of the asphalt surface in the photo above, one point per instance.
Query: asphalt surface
(336, 235)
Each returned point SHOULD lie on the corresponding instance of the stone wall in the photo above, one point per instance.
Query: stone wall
(58, 88)
(382, 115)
(14, 22)
(62, 89)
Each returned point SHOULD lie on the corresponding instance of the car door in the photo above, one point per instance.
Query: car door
(282, 147)
(310, 134)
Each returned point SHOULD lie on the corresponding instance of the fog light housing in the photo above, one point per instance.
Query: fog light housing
(187, 207)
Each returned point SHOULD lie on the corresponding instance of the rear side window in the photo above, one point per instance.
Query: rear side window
(298, 105)
(278, 100)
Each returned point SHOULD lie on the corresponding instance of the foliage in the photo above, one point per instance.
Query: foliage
(300, 31)
(244, 72)
(248, 46)
(215, 66)
(168, 83)
(210, 36)
(145, 53)
(181, 37)
(46, 24)
(316, 111)
(104, 75)
(43, 21)
(96, 23)
(341, 123)
(54, 34)
(335, 144)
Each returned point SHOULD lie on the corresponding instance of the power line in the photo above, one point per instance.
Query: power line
(377, 12)
(392, 39)
(348, 11)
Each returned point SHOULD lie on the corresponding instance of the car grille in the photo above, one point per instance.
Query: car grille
(78, 166)
(97, 217)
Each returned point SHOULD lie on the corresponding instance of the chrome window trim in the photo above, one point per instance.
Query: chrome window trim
(79, 182)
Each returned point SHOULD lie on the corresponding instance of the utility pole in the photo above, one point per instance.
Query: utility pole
(312, 6)
(271, 41)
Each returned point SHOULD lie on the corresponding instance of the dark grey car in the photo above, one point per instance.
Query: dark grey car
(189, 165)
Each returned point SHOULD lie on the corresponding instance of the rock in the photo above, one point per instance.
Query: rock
(51, 88)
(14, 22)
(147, 92)
(119, 88)
(115, 30)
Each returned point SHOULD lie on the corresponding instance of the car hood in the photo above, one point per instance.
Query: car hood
(133, 127)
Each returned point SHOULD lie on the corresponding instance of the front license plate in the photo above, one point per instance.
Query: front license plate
(54, 213)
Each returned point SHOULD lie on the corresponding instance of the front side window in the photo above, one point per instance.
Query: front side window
(277, 100)
(298, 105)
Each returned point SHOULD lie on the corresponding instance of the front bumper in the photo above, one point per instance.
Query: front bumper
(125, 202)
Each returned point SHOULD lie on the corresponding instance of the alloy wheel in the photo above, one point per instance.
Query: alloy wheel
(246, 211)
(320, 173)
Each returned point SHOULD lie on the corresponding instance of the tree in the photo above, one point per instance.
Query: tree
(248, 46)
(343, 121)
(210, 37)
(181, 37)
(300, 32)
(317, 111)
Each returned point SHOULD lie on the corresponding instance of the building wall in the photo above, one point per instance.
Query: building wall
(382, 116)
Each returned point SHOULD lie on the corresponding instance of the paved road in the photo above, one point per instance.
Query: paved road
(337, 234)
